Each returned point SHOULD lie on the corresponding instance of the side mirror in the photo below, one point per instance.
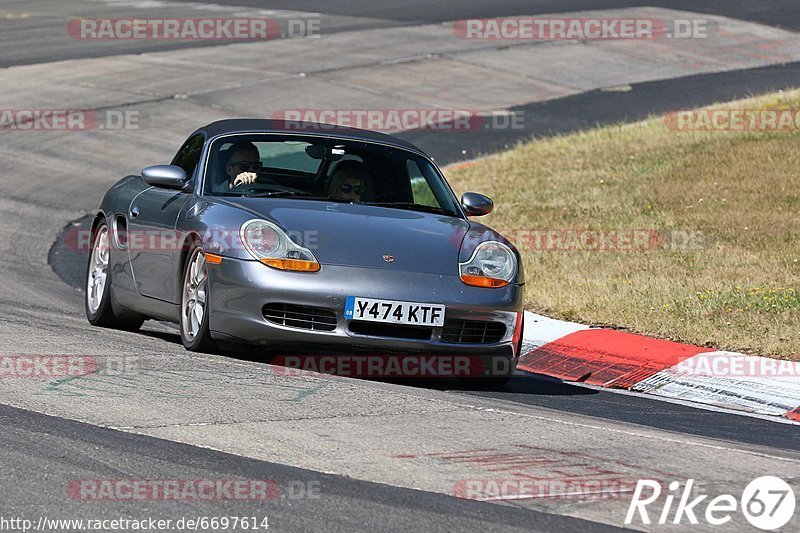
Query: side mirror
(166, 176)
(476, 205)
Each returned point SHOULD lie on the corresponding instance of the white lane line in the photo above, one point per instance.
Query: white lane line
(630, 433)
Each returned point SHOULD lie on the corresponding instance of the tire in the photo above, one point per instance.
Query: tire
(97, 303)
(195, 334)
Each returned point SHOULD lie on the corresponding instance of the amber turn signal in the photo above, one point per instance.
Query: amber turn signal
(292, 264)
(482, 281)
(213, 259)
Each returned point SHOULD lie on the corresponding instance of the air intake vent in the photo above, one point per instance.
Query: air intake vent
(377, 329)
(472, 332)
(300, 316)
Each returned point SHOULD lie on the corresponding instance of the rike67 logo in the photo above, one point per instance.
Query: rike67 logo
(767, 502)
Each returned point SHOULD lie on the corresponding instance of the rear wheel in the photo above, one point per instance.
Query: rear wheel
(195, 334)
(98, 286)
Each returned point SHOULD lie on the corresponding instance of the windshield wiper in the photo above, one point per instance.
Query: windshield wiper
(274, 194)
(411, 206)
(291, 194)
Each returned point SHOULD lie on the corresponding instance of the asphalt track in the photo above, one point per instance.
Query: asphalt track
(599, 108)
(74, 449)
(41, 38)
(62, 449)
(773, 12)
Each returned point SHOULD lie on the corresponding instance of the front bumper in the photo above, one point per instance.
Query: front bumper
(239, 290)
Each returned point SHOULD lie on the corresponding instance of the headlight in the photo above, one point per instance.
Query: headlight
(270, 245)
(493, 264)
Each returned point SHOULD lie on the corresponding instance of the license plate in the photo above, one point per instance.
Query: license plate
(393, 312)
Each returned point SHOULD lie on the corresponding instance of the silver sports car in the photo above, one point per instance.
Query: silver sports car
(311, 239)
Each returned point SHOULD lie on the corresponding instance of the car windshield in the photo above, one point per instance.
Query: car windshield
(325, 169)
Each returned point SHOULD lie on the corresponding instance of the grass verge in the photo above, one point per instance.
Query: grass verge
(685, 235)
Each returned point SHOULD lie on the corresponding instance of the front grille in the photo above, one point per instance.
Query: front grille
(472, 332)
(377, 329)
(300, 316)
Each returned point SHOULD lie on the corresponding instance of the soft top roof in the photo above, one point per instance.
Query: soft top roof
(254, 125)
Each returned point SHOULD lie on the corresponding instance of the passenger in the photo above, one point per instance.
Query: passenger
(348, 181)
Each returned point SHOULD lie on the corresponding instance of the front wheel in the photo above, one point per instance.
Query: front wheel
(98, 307)
(195, 334)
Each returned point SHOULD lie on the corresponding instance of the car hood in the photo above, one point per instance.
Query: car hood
(361, 235)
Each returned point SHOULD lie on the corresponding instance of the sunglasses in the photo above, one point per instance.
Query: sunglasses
(347, 188)
(249, 167)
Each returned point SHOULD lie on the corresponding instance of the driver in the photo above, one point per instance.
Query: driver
(243, 165)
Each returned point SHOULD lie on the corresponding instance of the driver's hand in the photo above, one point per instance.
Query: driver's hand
(245, 178)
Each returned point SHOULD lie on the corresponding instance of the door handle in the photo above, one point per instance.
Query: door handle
(134, 212)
